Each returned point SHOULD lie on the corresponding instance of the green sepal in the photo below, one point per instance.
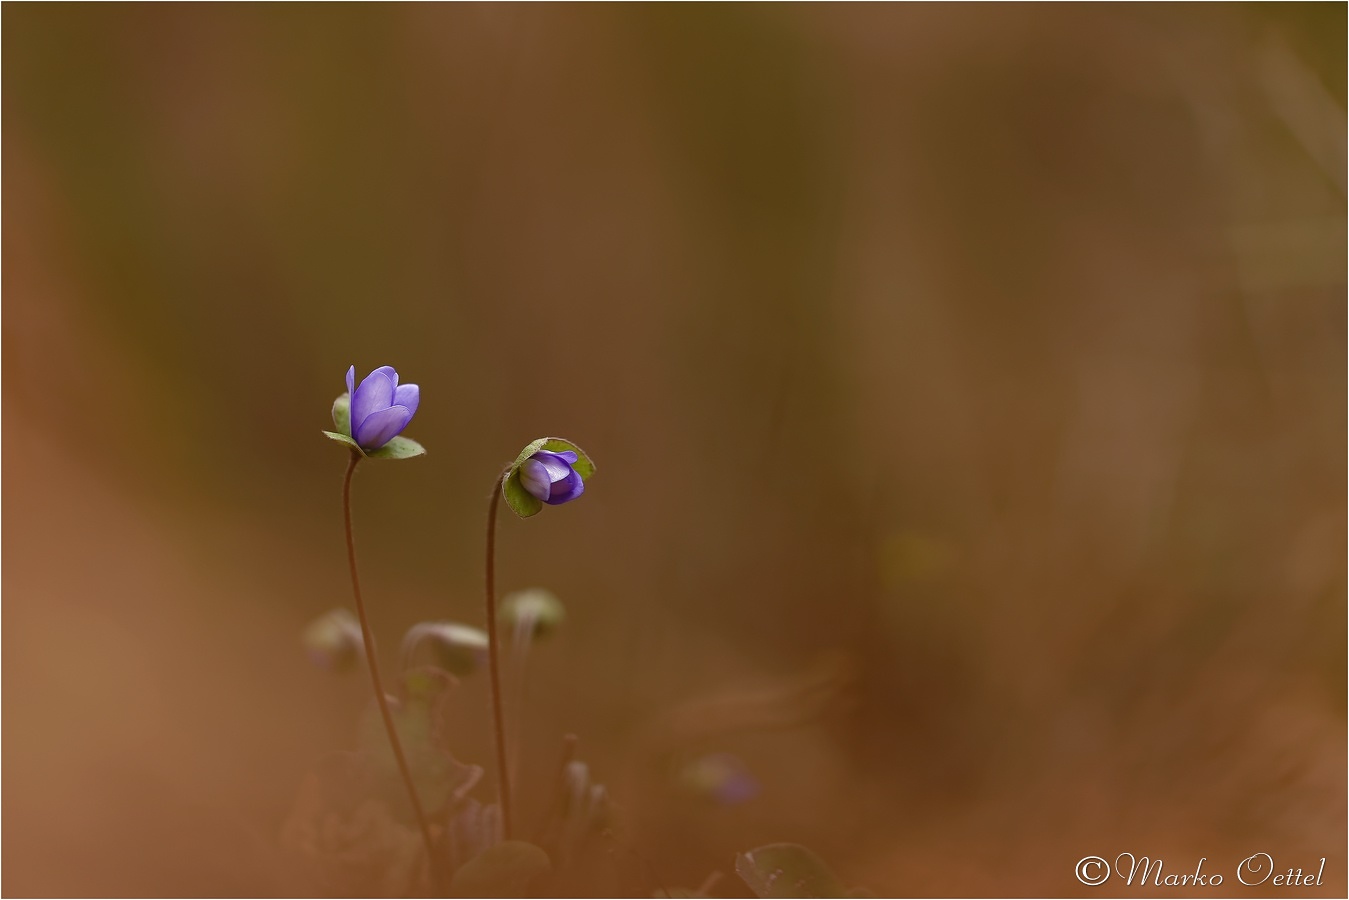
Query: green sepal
(522, 502)
(342, 422)
(343, 439)
(510, 869)
(398, 448)
(342, 414)
(787, 870)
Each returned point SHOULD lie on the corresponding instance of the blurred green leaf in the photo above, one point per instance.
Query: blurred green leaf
(510, 869)
(435, 772)
(787, 870)
(426, 683)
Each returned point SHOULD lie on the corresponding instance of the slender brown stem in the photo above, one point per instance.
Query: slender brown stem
(372, 662)
(494, 662)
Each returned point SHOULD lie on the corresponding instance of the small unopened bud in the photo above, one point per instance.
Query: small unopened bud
(575, 787)
(601, 808)
(333, 641)
(458, 649)
(535, 612)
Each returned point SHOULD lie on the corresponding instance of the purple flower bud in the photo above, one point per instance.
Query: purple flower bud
(380, 407)
(550, 477)
(549, 470)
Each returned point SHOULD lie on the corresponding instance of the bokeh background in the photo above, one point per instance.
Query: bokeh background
(967, 385)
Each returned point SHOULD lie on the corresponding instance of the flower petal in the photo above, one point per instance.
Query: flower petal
(408, 395)
(375, 393)
(568, 488)
(534, 478)
(391, 373)
(558, 468)
(381, 426)
(351, 380)
(567, 456)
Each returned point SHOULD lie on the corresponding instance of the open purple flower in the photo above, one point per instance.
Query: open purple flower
(550, 477)
(380, 407)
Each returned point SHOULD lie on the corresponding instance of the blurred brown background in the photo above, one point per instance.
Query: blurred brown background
(967, 385)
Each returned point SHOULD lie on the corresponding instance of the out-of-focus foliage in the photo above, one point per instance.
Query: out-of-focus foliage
(969, 384)
(787, 870)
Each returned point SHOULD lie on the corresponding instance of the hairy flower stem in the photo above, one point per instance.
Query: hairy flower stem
(494, 661)
(372, 661)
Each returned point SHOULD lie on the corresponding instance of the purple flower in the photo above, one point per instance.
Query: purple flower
(381, 407)
(550, 477)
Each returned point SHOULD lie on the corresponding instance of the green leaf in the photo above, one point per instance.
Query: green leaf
(398, 448)
(343, 439)
(342, 414)
(522, 502)
(510, 869)
(787, 870)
